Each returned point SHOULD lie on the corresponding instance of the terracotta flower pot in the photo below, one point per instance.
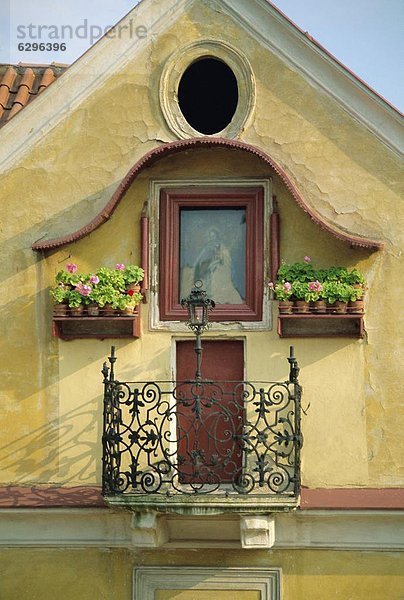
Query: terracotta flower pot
(128, 311)
(301, 307)
(340, 307)
(331, 308)
(285, 307)
(356, 307)
(60, 310)
(76, 311)
(135, 287)
(319, 306)
(93, 310)
(108, 311)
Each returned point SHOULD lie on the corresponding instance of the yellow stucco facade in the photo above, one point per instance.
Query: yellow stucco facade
(52, 390)
(95, 574)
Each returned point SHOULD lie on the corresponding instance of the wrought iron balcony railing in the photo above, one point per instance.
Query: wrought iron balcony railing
(205, 438)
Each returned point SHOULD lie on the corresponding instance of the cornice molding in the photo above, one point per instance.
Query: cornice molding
(377, 530)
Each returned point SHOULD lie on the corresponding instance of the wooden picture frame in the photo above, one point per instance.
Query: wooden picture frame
(215, 234)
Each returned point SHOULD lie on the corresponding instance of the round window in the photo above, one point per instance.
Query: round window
(208, 95)
(207, 88)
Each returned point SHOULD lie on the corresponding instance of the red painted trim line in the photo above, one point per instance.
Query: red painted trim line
(274, 236)
(179, 146)
(50, 497)
(311, 499)
(352, 498)
(144, 252)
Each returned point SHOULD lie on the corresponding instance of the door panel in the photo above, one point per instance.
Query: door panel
(210, 414)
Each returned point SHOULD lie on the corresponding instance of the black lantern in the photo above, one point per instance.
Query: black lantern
(198, 305)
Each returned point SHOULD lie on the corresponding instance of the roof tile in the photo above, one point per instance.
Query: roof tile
(24, 89)
(20, 84)
(47, 78)
(5, 87)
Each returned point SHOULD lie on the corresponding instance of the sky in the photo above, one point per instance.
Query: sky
(365, 35)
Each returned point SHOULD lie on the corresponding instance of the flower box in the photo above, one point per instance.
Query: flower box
(100, 305)
(320, 325)
(319, 302)
(101, 327)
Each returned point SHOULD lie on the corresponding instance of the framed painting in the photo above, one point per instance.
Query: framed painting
(215, 236)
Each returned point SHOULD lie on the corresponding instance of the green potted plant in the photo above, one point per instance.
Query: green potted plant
(315, 295)
(93, 309)
(337, 295)
(59, 294)
(357, 280)
(76, 301)
(113, 277)
(65, 281)
(129, 302)
(66, 293)
(301, 293)
(283, 292)
(298, 271)
(133, 275)
(106, 296)
(357, 305)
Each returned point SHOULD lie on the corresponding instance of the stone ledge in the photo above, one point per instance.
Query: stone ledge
(202, 505)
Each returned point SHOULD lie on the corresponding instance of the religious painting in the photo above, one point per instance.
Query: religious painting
(213, 251)
(214, 236)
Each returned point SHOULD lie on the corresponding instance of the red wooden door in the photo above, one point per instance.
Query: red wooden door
(210, 414)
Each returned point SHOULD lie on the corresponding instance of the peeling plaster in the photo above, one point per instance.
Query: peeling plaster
(343, 171)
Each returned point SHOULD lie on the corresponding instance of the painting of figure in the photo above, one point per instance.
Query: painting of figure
(213, 250)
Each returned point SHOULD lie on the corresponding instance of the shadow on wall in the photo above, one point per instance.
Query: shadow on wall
(18, 247)
(66, 449)
(12, 496)
(56, 388)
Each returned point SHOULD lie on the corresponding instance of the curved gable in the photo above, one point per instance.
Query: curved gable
(178, 146)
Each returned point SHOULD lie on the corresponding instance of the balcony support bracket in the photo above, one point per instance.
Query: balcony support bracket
(257, 531)
(149, 530)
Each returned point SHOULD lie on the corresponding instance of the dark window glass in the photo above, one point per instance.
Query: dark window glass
(208, 95)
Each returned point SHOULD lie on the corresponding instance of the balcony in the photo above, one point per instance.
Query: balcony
(201, 447)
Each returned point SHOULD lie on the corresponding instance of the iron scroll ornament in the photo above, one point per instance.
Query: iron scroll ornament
(182, 438)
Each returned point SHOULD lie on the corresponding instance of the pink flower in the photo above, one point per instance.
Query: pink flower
(307, 259)
(287, 286)
(94, 279)
(120, 267)
(315, 286)
(271, 285)
(84, 290)
(71, 267)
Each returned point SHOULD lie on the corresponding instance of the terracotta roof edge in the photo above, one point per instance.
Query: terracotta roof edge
(177, 146)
